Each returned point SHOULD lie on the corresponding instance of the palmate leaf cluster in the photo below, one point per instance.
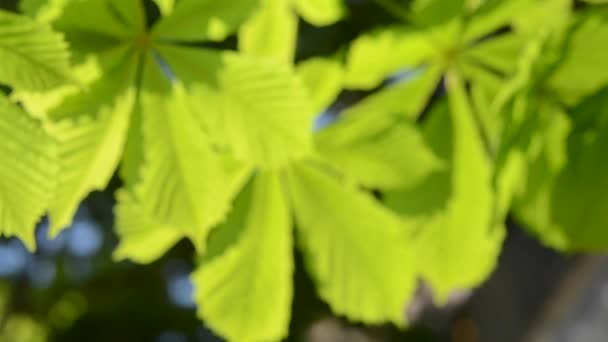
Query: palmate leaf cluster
(477, 112)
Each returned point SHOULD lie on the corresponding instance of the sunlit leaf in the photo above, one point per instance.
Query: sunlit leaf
(198, 183)
(544, 15)
(376, 141)
(90, 127)
(324, 80)
(436, 12)
(28, 172)
(33, 56)
(376, 56)
(355, 250)
(500, 55)
(458, 247)
(260, 97)
(249, 267)
(271, 32)
(42, 10)
(143, 238)
(581, 71)
(165, 6)
(196, 20)
(191, 65)
(95, 23)
(321, 12)
(492, 16)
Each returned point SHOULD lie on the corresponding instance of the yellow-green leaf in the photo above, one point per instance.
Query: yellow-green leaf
(199, 20)
(250, 267)
(33, 56)
(324, 79)
(355, 250)
(321, 12)
(271, 32)
(90, 127)
(27, 173)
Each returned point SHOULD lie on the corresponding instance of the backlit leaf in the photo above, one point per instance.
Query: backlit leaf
(457, 247)
(90, 127)
(324, 80)
(374, 57)
(250, 266)
(27, 173)
(197, 20)
(198, 183)
(355, 250)
(259, 97)
(271, 32)
(376, 141)
(321, 12)
(33, 56)
(581, 71)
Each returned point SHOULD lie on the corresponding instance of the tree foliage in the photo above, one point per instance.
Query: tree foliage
(475, 111)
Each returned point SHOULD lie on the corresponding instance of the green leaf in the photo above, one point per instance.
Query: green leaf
(355, 250)
(324, 79)
(258, 97)
(192, 65)
(543, 16)
(484, 87)
(90, 127)
(416, 89)
(198, 183)
(389, 156)
(33, 56)
(143, 238)
(42, 10)
(245, 99)
(510, 182)
(431, 195)
(27, 173)
(133, 154)
(579, 200)
(321, 12)
(271, 32)
(545, 148)
(465, 245)
(165, 6)
(500, 54)
(458, 247)
(582, 70)
(496, 70)
(95, 23)
(508, 120)
(376, 56)
(200, 20)
(565, 201)
(436, 12)
(251, 271)
(494, 15)
(153, 81)
(376, 141)
(86, 73)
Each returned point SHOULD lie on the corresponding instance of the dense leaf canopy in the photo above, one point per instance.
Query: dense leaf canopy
(212, 123)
